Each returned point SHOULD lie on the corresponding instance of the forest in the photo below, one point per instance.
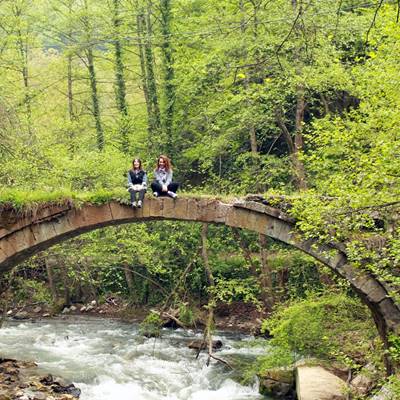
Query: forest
(295, 101)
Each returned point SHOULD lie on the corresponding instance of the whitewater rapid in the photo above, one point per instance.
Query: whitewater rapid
(110, 360)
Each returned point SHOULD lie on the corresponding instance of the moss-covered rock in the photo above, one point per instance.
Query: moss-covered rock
(278, 382)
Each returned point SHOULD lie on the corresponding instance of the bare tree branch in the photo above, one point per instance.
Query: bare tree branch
(373, 21)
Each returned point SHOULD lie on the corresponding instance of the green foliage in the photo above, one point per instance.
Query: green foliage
(187, 314)
(151, 325)
(23, 200)
(394, 347)
(322, 326)
(303, 273)
(276, 357)
(394, 386)
(31, 291)
(229, 112)
(228, 290)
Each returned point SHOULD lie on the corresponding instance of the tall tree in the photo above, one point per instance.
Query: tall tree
(168, 66)
(149, 62)
(88, 46)
(120, 85)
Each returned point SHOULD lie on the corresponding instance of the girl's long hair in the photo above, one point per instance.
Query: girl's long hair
(140, 163)
(167, 162)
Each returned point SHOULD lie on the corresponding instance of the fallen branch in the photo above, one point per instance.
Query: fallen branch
(178, 322)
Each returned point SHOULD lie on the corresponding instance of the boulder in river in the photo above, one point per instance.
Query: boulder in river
(277, 382)
(21, 315)
(58, 385)
(202, 345)
(317, 383)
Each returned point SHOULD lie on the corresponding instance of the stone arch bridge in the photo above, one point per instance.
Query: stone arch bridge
(22, 236)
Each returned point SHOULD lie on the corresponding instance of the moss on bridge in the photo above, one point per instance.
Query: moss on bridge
(24, 201)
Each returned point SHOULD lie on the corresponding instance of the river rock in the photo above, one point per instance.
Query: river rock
(59, 385)
(93, 303)
(19, 380)
(384, 394)
(9, 312)
(40, 396)
(365, 380)
(316, 383)
(202, 345)
(73, 308)
(65, 310)
(83, 309)
(362, 383)
(21, 315)
(37, 310)
(277, 382)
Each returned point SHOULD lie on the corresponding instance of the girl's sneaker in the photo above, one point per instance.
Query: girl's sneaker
(133, 204)
(139, 204)
(172, 194)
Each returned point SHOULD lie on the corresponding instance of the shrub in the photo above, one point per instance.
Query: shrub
(329, 326)
(151, 325)
(31, 290)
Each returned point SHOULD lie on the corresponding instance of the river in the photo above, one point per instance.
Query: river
(109, 360)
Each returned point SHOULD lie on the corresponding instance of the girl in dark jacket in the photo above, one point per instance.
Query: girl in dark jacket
(137, 183)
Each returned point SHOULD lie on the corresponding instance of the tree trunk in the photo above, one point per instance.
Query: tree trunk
(245, 251)
(169, 88)
(155, 118)
(129, 279)
(49, 262)
(298, 138)
(22, 47)
(120, 86)
(93, 81)
(267, 291)
(140, 24)
(252, 128)
(95, 99)
(204, 254)
(211, 283)
(300, 107)
(65, 281)
(70, 92)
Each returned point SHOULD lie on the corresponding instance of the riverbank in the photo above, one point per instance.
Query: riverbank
(237, 316)
(22, 380)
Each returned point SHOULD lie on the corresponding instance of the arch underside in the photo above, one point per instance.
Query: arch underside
(22, 237)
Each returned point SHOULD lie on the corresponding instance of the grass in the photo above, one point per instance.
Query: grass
(21, 201)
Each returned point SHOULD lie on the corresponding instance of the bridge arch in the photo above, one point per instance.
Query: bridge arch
(22, 236)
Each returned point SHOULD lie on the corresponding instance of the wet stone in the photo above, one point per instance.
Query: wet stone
(19, 380)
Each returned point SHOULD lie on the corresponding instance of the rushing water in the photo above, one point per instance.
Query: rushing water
(110, 360)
